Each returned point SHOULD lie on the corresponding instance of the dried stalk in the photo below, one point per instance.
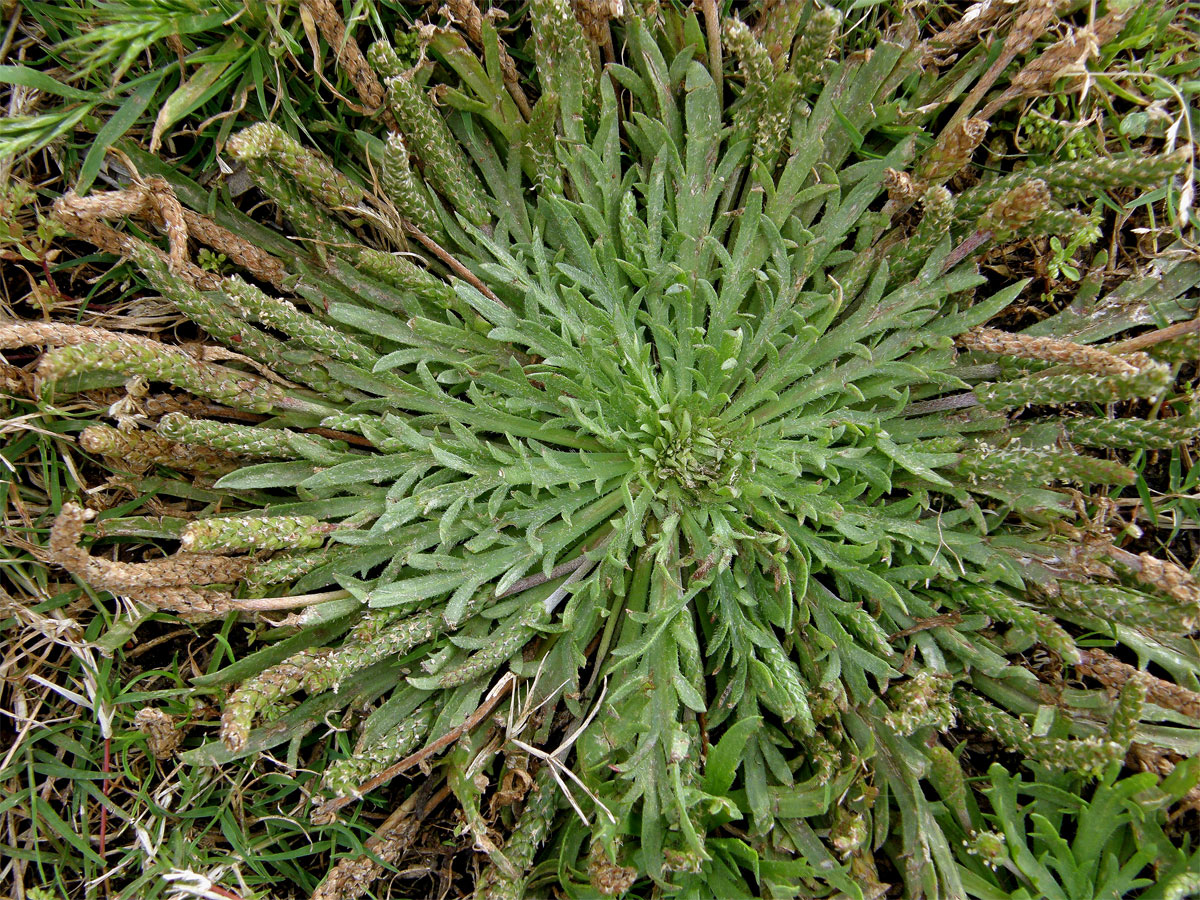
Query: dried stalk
(1091, 359)
(467, 14)
(349, 57)
(82, 220)
(1067, 57)
(325, 812)
(353, 876)
(1113, 673)
(166, 583)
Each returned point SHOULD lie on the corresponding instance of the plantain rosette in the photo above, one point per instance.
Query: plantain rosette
(643, 447)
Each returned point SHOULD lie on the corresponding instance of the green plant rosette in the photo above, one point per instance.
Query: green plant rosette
(632, 386)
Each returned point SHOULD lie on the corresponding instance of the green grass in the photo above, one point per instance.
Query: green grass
(156, 69)
(75, 678)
